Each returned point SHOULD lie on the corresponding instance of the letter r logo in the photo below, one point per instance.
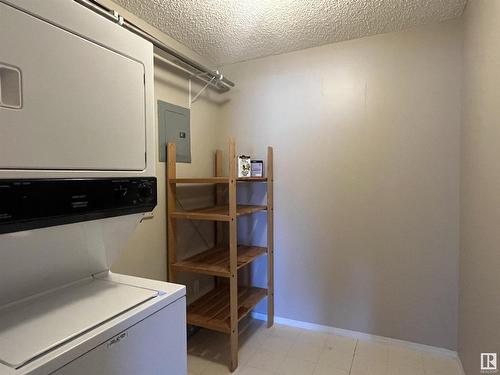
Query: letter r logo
(488, 361)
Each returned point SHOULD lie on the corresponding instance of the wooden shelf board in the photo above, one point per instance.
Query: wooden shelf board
(212, 311)
(216, 213)
(214, 180)
(248, 209)
(215, 261)
(251, 179)
(207, 180)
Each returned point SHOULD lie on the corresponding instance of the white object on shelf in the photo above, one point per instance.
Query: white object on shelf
(244, 166)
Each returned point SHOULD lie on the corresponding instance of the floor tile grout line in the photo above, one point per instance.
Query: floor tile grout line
(353, 355)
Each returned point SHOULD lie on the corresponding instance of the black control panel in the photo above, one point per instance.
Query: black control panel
(39, 203)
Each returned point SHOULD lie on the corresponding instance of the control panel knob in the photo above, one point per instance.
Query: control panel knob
(120, 193)
(145, 190)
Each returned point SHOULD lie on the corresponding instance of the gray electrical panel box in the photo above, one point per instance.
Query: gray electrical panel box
(174, 127)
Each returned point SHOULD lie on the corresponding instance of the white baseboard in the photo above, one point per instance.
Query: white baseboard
(358, 335)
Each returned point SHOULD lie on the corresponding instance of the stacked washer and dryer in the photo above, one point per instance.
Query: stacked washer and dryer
(77, 175)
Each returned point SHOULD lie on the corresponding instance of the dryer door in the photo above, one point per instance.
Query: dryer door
(67, 103)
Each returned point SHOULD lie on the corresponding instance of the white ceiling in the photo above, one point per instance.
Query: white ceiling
(228, 31)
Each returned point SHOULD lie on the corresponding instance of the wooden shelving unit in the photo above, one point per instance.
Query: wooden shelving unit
(222, 308)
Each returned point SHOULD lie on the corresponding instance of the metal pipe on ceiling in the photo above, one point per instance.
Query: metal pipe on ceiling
(200, 77)
(216, 79)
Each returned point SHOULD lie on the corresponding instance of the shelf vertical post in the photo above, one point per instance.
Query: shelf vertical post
(233, 281)
(171, 223)
(270, 239)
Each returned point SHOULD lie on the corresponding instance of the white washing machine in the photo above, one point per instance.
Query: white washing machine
(105, 324)
(77, 157)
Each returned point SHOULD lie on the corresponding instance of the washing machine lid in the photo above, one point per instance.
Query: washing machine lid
(36, 325)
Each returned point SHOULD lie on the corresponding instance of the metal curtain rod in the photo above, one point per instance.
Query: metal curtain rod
(216, 79)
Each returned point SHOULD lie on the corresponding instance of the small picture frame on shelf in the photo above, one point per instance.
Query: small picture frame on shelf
(257, 168)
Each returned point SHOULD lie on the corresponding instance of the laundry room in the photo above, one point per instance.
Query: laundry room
(254, 187)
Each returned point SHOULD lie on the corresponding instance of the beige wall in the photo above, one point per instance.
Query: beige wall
(366, 136)
(479, 323)
(145, 254)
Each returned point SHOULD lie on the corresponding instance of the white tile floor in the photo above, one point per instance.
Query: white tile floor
(283, 350)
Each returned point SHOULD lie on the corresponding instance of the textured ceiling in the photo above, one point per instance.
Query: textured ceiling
(228, 31)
